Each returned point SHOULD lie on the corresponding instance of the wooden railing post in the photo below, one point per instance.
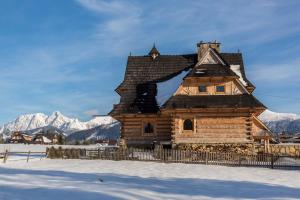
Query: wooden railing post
(206, 157)
(28, 156)
(5, 156)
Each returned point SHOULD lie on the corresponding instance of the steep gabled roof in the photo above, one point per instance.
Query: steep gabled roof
(144, 72)
(213, 101)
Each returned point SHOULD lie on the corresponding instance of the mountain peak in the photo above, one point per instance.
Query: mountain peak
(56, 113)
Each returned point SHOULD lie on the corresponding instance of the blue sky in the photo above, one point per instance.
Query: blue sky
(70, 55)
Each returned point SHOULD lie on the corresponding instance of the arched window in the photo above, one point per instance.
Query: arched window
(148, 128)
(188, 125)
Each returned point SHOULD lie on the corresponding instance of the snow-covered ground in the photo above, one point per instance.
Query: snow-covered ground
(97, 179)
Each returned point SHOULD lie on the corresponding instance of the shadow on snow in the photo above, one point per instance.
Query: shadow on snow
(117, 186)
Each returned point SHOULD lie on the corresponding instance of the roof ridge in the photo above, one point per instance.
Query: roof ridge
(231, 53)
(166, 55)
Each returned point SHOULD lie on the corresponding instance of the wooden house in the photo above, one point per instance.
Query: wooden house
(202, 98)
(41, 139)
(19, 137)
(48, 138)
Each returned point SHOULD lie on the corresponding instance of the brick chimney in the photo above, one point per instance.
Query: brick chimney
(203, 47)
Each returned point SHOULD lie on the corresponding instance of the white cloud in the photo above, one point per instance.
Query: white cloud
(287, 71)
(91, 112)
(130, 26)
(112, 7)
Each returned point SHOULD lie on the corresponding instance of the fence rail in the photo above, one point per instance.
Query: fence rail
(179, 156)
(21, 155)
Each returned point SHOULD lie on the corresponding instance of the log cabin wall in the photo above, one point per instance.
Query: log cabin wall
(133, 129)
(213, 129)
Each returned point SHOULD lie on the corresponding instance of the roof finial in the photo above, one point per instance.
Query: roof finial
(238, 51)
(130, 53)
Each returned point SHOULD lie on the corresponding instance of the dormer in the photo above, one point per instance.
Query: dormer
(154, 52)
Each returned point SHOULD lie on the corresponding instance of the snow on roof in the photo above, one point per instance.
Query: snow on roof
(46, 140)
(237, 70)
(167, 88)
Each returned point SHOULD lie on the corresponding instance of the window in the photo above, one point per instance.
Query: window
(188, 125)
(220, 88)
(148, 128)
(202, 88)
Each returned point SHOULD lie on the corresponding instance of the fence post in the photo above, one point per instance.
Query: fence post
(5, 156)
(206, 157)
(272, 161)
(239, 158)
(28, 156)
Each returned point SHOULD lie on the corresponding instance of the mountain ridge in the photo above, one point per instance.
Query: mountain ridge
(29, 122)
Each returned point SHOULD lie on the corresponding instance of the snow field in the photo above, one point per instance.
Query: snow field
(98, 179)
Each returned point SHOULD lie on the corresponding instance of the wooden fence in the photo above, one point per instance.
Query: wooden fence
(179, 156)
(17, 156)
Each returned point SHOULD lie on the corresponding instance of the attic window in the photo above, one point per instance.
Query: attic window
(188, 125)
(220, 88)
(202, 88)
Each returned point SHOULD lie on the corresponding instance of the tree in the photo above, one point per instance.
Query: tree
(86, 142)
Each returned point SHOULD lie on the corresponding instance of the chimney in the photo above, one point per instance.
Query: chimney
(204, 46)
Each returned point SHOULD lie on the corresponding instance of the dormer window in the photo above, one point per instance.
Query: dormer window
(202, 88)
(220, 88)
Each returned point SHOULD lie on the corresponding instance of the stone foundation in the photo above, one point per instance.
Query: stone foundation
(220, 148)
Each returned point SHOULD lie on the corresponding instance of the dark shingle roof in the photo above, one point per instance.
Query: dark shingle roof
(213, 101)
(141, 70)
(211, 70)
(144, 68)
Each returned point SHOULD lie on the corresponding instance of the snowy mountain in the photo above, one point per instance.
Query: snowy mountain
(281, 122)
(32, 123)
(268, 116)
(102, 132)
